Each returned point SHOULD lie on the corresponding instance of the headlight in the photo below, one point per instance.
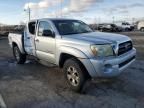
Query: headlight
(102, 50)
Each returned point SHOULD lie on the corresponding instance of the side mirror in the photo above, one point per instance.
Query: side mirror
(48, 33)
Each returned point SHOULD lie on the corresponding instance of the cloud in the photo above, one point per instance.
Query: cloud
(123, 12)
(109, 11)
(136, 5)
(74, 6)
(130, 6)
(77, 6)
(121, 9)
(39, 9)
(42, 4)
(30, 5)
(81, 5)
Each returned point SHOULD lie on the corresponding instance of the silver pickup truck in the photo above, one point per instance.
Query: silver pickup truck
(73, 46)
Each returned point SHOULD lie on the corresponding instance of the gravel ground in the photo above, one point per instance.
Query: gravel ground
(33, 85)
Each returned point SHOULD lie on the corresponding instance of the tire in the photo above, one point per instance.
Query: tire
(75, 74)
(19, 57)
(142, 29)
(127, 29)
(101, 30)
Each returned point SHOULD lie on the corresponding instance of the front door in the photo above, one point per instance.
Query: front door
(45, 45)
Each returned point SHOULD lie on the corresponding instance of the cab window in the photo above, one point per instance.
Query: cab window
(32, 28)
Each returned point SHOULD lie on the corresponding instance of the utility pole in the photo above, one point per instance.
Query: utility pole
(99, 20)
(29, 13)
(133, 20)
(61, 8)
(113, 19)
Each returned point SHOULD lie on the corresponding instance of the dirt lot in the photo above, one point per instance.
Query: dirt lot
(35, 86)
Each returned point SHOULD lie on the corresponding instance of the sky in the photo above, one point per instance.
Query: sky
(90, 11)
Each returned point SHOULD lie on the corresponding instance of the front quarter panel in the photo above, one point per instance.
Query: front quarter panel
(71, 51)
(81, 56)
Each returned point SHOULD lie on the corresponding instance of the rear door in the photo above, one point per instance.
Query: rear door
(45, 45)
(29, 35)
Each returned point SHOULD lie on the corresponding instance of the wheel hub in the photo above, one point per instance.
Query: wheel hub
(73, 76)
(16, 54)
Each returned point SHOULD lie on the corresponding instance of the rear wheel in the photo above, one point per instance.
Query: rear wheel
(19, 57)
(126, 29)
(142, 29)
(101, 30)
(75, 74)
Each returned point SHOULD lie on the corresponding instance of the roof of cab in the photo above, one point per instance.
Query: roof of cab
(51, 19)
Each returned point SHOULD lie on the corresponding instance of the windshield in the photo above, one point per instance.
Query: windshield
(67, 27)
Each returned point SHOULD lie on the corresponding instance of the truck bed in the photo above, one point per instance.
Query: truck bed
(16, 39)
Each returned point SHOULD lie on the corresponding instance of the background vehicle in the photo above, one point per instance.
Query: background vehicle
(125, 26)
(73, 46)
(141, 26)
(109, 28)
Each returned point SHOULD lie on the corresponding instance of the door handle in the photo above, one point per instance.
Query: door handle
(37, 40)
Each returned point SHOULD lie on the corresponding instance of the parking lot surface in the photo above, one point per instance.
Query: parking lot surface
(33, 85)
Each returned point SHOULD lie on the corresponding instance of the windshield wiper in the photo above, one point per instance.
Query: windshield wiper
(86, 32)
(77, 33)
(70, 33)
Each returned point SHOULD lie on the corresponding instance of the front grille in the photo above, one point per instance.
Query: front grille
(126, 62)
(124, 47)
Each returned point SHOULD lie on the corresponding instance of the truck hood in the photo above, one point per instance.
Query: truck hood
(99, 37)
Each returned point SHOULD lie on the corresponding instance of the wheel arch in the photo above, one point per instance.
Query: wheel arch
(142, 28)
(19, 46)
(65, 56)
(14, 44)
(69, 52)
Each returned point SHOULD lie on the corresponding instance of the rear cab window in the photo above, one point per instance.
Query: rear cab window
(32, 27)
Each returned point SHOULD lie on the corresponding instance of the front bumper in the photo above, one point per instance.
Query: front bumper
(110, 67)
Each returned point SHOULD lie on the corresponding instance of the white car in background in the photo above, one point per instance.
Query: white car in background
(141, 26)
(125, 26)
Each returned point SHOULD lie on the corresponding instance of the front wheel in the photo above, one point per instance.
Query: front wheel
(19, 57)
(75, 74)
